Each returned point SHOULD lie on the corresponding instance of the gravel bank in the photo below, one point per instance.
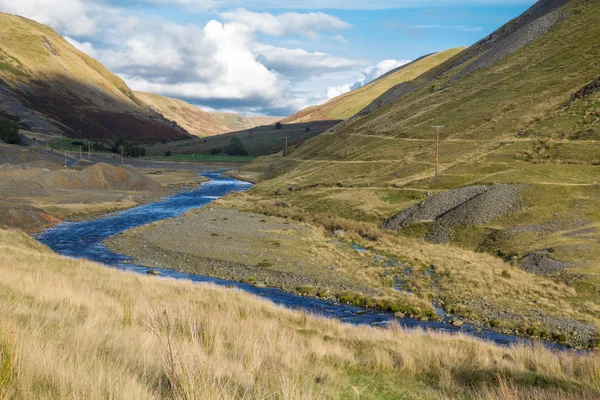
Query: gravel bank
(468, 206)
(234, 245)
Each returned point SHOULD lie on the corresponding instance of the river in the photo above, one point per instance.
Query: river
(84, 240)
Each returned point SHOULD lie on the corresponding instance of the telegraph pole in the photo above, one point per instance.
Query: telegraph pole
(437, 148)
(286, 146)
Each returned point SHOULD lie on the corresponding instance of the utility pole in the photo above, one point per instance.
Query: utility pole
(437, 148)
(286, 146)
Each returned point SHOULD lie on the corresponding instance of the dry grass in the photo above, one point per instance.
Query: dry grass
(72, 329)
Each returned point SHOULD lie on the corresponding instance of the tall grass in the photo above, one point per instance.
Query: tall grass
(73, 329)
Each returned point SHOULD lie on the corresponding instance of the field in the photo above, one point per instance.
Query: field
(257, 141)
(73, 329)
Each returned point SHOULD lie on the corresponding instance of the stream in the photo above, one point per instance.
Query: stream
(84, 240)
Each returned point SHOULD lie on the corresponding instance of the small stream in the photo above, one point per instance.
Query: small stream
(84, 240)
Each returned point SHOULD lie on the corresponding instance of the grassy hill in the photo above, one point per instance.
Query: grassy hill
(55, 88)
(520, 107)
(188, 116)
(348, 104)
(258, 141)
(176, 339)
(238, 122)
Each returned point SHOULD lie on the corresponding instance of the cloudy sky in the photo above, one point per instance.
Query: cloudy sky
(263, 57)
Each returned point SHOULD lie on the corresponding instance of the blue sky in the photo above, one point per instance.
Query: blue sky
(263, 57)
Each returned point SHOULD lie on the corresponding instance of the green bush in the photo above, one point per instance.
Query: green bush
(9, 131)
(236, 148)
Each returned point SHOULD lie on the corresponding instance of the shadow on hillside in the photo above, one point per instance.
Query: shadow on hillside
(87, 111)
(258, 141)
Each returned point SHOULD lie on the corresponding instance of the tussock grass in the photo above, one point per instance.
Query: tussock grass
(73, 329)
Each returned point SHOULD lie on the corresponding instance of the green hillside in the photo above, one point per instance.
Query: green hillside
(521, 107)
(348, 104)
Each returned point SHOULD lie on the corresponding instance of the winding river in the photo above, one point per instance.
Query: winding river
(84, 240)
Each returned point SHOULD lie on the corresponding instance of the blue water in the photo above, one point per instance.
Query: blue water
(84, 240)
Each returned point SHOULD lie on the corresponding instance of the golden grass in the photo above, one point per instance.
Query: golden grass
(73, 329)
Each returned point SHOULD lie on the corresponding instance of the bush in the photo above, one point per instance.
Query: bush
(307, 129)
(214, 152)
(129, 150)
(278, 126)
(236, 148)
(9, 131)
(168, 153)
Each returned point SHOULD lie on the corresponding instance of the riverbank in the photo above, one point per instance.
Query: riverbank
(153, 338)
(307, 260)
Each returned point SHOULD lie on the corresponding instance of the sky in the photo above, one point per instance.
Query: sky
(260, 57)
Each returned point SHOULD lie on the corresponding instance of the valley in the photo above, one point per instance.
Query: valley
(342, 251)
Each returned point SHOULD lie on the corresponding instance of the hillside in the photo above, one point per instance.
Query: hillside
(188, 116)
(237, 122)
(177, 339)
(55, 88)
(519, 168)
(258, 141)
(348, 104)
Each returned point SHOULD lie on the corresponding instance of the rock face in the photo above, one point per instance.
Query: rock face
(468, 206)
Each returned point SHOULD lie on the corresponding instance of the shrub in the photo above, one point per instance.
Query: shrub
(9, 131)
(236, 148)
(215, 151)
(168, 153)
(278, 126)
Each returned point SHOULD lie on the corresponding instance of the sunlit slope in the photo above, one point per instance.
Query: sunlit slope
(56, 88)
(188, 116)
(521, 106)
(348, 104)
(238, 122)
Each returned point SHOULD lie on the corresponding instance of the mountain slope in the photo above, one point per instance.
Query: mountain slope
(237, 122)
(348, 104)
(521, 111)
(55, 88)
(189, 117)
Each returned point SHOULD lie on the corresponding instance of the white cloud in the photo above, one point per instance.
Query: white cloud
(309, 24)
(86, 47)
(222, 65)
(338, 39)
(332, 4)
(335, 91)
(367, 75)
(69, 17)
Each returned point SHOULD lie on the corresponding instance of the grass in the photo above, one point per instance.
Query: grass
(514, 122)
(257, 141)
(349, 104)
(80, 331)
(205, 158)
